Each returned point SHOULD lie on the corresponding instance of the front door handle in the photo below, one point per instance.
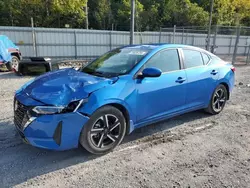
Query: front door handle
(180, 80)
(214, 72)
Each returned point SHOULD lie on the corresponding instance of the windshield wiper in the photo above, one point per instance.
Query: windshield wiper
(101, 74)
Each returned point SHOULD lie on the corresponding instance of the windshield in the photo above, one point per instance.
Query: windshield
(117, 62)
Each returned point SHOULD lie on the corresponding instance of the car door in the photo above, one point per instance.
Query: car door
(200, 77)
(165, 94)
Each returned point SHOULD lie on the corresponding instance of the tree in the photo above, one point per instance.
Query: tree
(121, 11)
(103, 14)
(182, 13)
(242, 11)
(228, 12)
(46, 13)
(100, 14)
(70, 11)
(196, 15)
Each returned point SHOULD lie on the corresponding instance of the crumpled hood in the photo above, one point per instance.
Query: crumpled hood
(61, 87)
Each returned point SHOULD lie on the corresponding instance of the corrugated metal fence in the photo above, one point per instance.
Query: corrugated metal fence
(81, 43)
(71, 43)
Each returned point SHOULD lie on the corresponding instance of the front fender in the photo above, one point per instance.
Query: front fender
(92, 106)
(121, 93)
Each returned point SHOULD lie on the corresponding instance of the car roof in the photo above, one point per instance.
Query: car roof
(143, 46)
(160, 46)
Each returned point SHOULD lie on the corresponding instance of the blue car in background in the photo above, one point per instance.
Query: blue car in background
(120, 91)
(10, 54)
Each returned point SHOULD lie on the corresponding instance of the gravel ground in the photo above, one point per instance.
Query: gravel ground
(192, 150)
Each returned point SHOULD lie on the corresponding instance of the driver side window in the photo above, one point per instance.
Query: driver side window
(166, 61)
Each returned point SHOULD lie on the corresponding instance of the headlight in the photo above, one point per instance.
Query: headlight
(72, 107)
(48, 109)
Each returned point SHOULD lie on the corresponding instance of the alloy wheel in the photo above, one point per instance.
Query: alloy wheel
(105, 131)
(219, 100)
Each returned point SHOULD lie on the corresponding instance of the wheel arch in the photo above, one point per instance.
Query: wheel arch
(16, 54)
(125, 113)
(227, 87)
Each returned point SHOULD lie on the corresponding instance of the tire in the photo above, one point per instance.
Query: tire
(8, 66)
(99, 137)
(15, 62)
(218, 100)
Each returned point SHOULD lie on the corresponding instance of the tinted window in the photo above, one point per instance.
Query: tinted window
(192, 58)
(166, 61)
(33, 69)
(205, 58)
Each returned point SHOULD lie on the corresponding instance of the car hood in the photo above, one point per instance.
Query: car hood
(61, 87)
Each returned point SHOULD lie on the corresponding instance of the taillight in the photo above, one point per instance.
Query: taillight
(233, 69)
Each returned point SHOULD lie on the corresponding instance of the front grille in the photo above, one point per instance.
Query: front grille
(20, 114)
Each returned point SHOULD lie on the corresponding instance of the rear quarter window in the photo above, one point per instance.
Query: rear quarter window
(206, 58)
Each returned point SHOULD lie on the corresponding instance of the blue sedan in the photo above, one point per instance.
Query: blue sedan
(122, 90)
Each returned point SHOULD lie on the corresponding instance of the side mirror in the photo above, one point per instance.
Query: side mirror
(151, 72)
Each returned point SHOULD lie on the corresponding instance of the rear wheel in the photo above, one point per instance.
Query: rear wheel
(104, 131)
(218, 100)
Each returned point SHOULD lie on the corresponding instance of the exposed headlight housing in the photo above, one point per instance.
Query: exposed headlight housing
(72, 107)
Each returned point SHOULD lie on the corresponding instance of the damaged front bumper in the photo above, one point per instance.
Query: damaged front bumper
(55, 132)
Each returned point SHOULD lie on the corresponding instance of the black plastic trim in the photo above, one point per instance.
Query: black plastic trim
(58, 133)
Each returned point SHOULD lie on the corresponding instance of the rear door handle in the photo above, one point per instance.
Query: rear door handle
(214, 72)
(180, 80)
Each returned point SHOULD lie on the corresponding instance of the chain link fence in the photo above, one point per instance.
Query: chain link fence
(230, 43)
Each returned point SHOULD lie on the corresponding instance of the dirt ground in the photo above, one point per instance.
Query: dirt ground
(192, 150)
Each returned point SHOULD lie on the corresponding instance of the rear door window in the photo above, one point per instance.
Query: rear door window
(192, 58)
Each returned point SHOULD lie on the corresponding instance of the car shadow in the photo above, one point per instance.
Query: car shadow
(20, 162)
(165, 125)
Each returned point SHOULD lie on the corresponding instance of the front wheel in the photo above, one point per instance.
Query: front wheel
(104, 131)
(15, 62)
(218, 100)
(8, 66)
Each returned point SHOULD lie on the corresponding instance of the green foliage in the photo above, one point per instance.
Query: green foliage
(108, 14)
(224, 12)
(100, 15)
(228, 12)
(46, 13)
(196, 14)
(183, 12)
(121, 12)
